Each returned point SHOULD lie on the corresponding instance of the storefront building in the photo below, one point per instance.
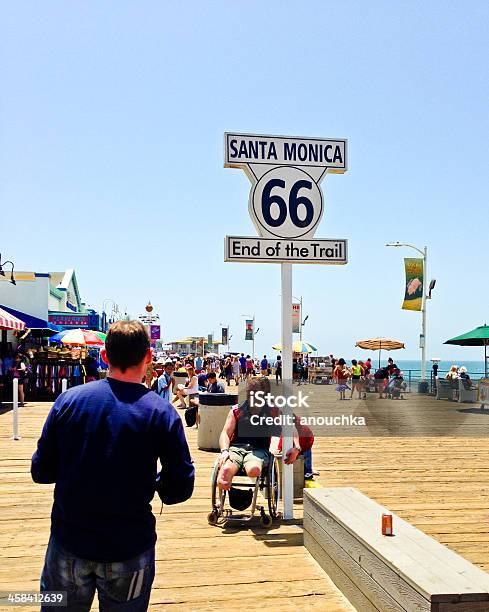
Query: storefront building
(48, 302)
(194, 345)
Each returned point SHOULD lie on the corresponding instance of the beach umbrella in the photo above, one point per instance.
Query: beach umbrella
(379, 344)
(100, 335)
(77, 337)
(477, 337)
(298, 346)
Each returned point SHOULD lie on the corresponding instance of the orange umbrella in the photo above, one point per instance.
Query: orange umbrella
(377, 344)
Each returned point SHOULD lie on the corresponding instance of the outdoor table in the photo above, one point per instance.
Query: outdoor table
(213, 411)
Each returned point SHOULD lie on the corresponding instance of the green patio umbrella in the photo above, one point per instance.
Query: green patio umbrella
(477, 337)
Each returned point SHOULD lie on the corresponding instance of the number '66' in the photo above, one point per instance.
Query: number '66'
(295, 200)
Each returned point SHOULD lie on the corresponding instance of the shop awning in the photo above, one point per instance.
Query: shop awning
(9, 321)
(33, 323)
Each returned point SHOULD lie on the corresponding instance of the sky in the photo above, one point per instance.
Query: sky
(112, 117)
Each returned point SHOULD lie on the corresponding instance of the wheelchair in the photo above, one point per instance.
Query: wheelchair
(268, 484)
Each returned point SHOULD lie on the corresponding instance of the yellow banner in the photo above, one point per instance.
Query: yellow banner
(414, 287)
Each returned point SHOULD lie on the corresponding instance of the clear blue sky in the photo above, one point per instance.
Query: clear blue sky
(111, 159)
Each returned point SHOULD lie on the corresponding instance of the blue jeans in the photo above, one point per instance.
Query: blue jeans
(121, 585)
(307, 461)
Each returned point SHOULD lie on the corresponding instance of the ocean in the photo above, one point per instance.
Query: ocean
(473, 367)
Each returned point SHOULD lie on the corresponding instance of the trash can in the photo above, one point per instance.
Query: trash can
(423, 386)
(180, 378)
(213, 411)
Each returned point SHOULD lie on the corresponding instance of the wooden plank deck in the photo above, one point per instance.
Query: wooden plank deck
(439, 484)
(198, 567)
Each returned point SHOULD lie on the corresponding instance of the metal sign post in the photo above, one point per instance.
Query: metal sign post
(287, 438)
(15, 409)
(286, 205)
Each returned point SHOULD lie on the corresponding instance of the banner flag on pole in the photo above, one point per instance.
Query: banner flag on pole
(224, 335)
(155, 332)
(296, 318)
(414, 287)
(249, 331)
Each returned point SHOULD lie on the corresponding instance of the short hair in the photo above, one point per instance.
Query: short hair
(354, 361)
(169, 363)
(211, 375)
(126, 344)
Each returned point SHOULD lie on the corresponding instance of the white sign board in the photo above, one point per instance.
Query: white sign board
(286, 205)
(147, 319)
(249, 249)
(285, 199)
(241, 149)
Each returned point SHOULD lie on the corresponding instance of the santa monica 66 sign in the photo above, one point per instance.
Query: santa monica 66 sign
(286, 202)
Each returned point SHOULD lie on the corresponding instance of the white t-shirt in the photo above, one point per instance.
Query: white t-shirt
(193, 386)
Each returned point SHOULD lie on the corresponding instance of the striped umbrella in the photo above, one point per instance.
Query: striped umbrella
(77, 337)
(101, 335)
(297, 347)
(379, 344)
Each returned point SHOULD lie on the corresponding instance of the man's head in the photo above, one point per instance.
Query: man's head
(169, 367)
(264, 356)
(127, 348)
(254, 385)
(211, 377)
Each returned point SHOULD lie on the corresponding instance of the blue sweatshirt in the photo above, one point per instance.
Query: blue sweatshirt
(100, 445)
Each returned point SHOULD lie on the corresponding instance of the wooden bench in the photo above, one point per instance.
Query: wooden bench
(467, 395)
(409, 571)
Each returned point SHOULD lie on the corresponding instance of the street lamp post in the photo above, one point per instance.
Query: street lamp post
(2, 272)
(422, 340)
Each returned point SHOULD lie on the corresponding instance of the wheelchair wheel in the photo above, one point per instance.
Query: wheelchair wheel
(273, 486)
(218, 498)
(266, 521)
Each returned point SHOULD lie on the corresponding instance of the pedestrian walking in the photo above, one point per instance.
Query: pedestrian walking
(356, 376)
(341, 374)
(236, 371)
(278, 369)
(101, 444)
(166, 381)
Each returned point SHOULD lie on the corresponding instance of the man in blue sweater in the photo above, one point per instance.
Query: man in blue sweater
(100, 444)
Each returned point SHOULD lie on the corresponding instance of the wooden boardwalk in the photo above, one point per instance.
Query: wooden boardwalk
(440, 484)
(198, 567)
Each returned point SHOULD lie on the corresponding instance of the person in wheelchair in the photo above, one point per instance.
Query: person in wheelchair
(245, 446)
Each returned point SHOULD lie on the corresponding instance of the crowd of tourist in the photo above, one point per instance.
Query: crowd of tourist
(388, 381)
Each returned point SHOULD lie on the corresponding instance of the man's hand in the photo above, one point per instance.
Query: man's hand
(291, 455)
(224, 456)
